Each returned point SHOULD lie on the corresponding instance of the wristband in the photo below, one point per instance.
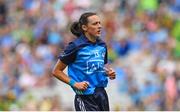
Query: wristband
(71, 82)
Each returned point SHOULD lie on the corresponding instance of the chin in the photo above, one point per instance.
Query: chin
(98, 35)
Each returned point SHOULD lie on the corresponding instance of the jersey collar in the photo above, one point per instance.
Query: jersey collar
(86, 40)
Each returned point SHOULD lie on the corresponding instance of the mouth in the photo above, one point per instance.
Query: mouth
(99, 31)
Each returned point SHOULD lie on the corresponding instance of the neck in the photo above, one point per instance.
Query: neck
(91, 38)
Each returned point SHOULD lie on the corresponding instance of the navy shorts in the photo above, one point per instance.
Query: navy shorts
(95, 102)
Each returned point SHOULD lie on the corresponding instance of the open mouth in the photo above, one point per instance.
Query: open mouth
(99, 31)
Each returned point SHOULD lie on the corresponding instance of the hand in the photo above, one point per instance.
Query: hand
(81, 85)
(110, 73)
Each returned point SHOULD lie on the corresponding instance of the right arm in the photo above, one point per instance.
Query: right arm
(59, 74)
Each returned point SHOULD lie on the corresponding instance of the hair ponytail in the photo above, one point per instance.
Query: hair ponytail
(76, 29)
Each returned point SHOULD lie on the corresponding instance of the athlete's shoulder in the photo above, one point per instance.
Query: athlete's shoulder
(80, 41)
(101, 42)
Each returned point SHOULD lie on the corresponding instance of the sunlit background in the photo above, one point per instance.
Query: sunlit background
(143, 38)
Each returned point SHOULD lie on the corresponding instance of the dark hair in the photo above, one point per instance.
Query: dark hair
(76, 27)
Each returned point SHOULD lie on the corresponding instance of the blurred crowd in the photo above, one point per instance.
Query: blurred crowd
(143, 38)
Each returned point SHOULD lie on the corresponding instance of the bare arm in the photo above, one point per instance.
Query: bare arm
(59, 74)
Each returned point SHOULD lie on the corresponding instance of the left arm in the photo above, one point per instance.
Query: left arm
(109, 71)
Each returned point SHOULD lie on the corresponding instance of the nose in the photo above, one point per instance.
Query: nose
(99, 25)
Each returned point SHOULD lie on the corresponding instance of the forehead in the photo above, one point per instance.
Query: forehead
(94, 18)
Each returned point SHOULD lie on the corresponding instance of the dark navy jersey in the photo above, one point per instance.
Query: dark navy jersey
(85, 62)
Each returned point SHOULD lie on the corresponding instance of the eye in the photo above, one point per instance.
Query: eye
(96, 23)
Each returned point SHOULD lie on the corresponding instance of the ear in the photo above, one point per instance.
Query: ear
(84, 27)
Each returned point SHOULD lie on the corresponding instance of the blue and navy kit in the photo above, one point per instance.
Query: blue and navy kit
(85, 62)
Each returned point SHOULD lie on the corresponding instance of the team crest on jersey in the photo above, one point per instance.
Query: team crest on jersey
(99, 54)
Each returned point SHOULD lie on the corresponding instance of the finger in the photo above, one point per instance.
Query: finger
(110, 70)
(86, 83)
(112, 77)
(83, 87)
(112, 74)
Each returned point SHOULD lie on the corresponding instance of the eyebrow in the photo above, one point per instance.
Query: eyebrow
(95, 22)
